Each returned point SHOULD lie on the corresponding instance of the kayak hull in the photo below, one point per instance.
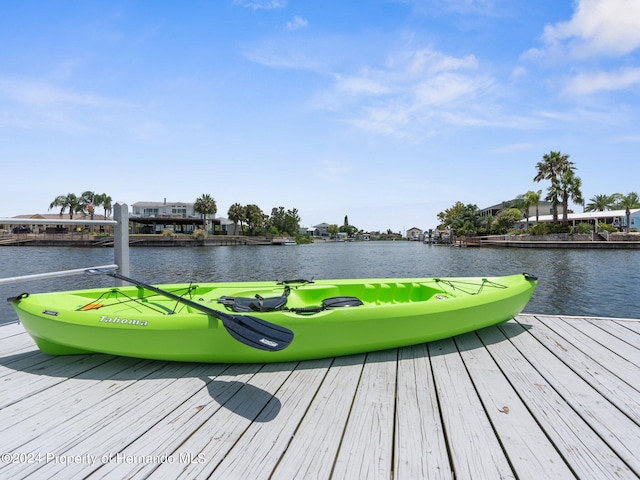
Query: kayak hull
(130, 321)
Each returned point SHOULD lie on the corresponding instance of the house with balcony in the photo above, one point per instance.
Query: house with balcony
(178, 217)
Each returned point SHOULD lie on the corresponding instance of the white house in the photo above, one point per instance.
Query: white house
(617, 218)
(415, 234)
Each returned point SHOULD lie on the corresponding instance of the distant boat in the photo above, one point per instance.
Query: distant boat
(283, 241)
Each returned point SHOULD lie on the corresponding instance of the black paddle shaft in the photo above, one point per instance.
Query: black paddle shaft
(251, 331)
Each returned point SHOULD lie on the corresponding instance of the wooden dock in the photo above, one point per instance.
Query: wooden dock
(539, 397)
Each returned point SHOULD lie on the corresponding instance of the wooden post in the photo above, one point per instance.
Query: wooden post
(121, 240)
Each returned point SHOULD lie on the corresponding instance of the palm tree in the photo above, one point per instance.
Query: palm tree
(554, 194)
(106, 202)
(88, 201)
(628, 201)
(236, 214)
(69, 201)
(255, 217)
(568, 186)
(534, 199)
(527, 201)
(600, 203)
(553, 164)
(205, 205)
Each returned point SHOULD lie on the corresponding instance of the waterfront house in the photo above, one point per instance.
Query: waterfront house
(415, 234)
(617, 218)
(53, 227)
(320, 230)
(544, 208)
(163, 210)
(179, 217)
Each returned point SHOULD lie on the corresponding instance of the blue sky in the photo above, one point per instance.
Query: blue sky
(386, 111)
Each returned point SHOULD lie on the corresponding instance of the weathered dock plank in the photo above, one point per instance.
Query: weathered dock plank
(583, 450)
(537, 397)
(527, 447)
(597, 411)
(420, 443)
(621, 329)
(366, 446)
(313, 449)
(258, 451)
(475, 450)
(221, 432)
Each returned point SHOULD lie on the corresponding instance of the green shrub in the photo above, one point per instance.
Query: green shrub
(607, 227)
(583, 227)
(545, 228)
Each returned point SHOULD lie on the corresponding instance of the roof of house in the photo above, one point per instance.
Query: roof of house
(161, 204)
(57, 216)
(587, 215)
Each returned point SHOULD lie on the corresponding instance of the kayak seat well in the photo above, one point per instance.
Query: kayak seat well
(398, 292)
(257, 303)
(368, 293)
(310, 298)
(314, 301)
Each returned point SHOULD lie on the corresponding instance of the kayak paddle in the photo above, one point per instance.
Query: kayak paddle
(251, 331)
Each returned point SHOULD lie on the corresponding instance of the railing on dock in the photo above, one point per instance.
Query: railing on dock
(120, 224)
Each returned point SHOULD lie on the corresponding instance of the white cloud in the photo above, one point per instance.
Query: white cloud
(610, 27)
(40, 94)
(275, 53)
(296, 23)
(34, 104)
(261, 4)
(597, 31)
(410, 94)
(465, 7)
(360, 85)
(585, 83)
(518, 72)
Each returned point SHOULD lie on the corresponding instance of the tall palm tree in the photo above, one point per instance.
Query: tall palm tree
(69, 201)
(554, 194)
(568, 186)
(107, 203)
(553, 164)
(236, 215)
(205, 205)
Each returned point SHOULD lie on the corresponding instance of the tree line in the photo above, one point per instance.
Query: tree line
(86, 203)
(251, 219)
(565, 186)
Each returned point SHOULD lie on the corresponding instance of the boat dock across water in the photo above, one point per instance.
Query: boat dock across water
(536, 397)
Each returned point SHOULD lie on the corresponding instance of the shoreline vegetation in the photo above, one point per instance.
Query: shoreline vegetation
(91, 240)
(460, 225)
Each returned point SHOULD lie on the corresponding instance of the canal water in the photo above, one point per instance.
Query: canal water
(603, 283)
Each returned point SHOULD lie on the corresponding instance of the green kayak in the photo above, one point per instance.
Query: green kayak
(246, 322)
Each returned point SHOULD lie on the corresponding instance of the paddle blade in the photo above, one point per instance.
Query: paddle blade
(256, 333)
